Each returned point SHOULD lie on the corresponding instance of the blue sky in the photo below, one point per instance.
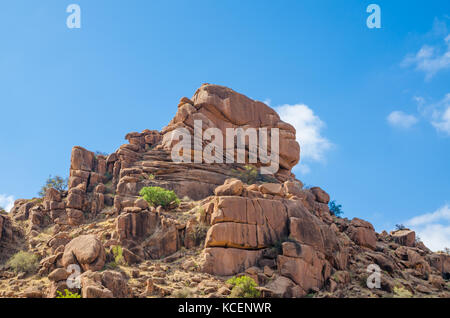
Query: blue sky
(371, 105)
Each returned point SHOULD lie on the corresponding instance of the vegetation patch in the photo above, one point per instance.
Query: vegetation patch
(243, 287)
(24, 262)
(67, 294)
(158, 196)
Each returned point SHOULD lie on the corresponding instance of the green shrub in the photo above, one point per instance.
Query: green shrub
(56, 182)
(243, 287)
(158, 196)
(335, 209)
(118, 256)
(67, 294)
(402, 292)
(24, 262)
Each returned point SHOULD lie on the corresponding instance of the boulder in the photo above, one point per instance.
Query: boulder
(362, 233)
(321, 196)
(404, 237)
(272, 189)
(86, 251)
(221, 107)
(246, 223)
(282, 287)
(58, 274)
(231, 187)
(229, 261)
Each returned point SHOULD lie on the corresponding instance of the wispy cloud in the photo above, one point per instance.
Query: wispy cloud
(6, 202)
(434, 58)
(401, 120)
(308, 126)
(433, 228)
(438, 114)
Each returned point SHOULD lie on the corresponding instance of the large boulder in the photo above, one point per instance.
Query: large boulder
(404, 237)
(306, 266)
(221, 107)
(229, 261)
(245, 223)
(362, 233)
(86, 251)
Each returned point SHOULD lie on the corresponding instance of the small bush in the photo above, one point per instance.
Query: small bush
(158, 196)
(24, 262)
(402, 292)
(400, 227)
(336, 209)
(67, 294)
(243, 287)
(118, 256)
(56, 182)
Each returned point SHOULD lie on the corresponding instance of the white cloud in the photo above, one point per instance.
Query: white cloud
(431, 59)
(438, 114)
(303, 168)
(401, 120)
(6, 202)
(313, 145)
(433, 228)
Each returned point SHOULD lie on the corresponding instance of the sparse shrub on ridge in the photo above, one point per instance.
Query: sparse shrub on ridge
(243, 287)
(24, 262)
(158, 196)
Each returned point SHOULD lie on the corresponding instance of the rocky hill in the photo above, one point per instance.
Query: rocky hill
(230, 222)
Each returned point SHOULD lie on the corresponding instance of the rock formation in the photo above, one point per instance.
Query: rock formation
(269, 228)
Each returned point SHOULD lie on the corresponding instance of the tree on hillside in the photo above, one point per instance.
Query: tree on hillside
(55, 182)
(336, 209)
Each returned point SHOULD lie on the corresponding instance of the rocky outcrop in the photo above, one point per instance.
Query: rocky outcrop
(6, 230)
(273, 229)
